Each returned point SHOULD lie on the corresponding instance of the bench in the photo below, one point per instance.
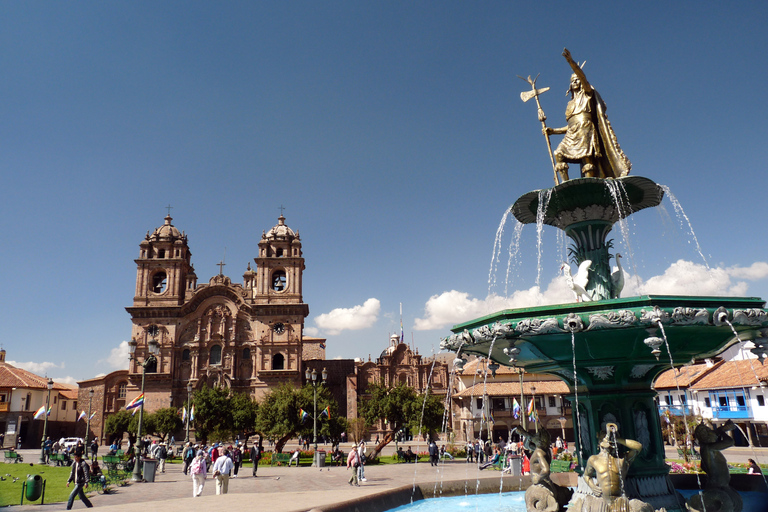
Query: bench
(12, 456)
(60, 459)
(117, 473)
(560, 466)
(281, 458)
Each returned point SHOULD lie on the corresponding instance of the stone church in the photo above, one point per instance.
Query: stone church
(247, 336)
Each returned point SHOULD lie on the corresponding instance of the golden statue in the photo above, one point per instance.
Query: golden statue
(589, 139)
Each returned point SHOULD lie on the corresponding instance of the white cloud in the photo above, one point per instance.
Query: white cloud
(66, 380)
(311, 331)
(681, 278)
(118, 357)
(36, 368)
(354, 318)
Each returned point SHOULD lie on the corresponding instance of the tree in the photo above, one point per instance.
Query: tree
(117, 424)
(401, 407)
(213, 413)
(244, 411)
(166, 421)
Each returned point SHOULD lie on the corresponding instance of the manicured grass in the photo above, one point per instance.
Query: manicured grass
(56, 489)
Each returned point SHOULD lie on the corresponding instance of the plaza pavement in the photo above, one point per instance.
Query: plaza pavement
(283, 489)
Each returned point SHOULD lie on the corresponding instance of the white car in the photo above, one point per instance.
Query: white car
(69, 442)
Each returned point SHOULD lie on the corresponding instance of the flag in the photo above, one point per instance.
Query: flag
(192, 414)
(136, 402)
(82, 416)
(322, 346)
(184, 414)
(303, 415)
(515, 408)
(492, 420)
(135, 410)
(92, 415)
(326, 412)
(49, 412)
(39, 413)
(402, 336)
(532, 414)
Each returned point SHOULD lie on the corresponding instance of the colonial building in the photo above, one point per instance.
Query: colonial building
(22, 393)
(246, 336)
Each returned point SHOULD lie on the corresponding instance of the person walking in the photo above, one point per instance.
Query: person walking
(47, 446)
(361, 461)
(237, 460)
(222, 470)
(199, 471)
(162, 454)
(80, 475)
(434, 453)
(353, 462)
(256, 456)
(94, 451)
(187, 456)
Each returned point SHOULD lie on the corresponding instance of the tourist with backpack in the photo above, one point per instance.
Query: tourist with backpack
(198, 470)
(188, 455)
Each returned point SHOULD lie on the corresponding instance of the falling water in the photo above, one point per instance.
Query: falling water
(482, 414)
(576, 393)
(497, 250)
(514, 250)
(682, 216)
(544, 197)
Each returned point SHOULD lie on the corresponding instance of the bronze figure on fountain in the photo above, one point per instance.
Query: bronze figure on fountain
(589, 138)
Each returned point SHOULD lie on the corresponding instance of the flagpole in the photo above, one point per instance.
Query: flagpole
(522, 399)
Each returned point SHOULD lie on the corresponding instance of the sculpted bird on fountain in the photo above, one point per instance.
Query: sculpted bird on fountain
(588, 139)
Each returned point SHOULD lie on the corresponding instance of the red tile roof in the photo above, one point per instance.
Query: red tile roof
(684, 376)
(512, 389)
(733, 374)
(12, 377)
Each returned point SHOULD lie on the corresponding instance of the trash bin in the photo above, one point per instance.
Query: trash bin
(150, 465)
(516, 463)
(319, 459)
(34, 487)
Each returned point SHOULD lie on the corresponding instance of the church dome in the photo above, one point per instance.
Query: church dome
(166, 232)
(281, 231)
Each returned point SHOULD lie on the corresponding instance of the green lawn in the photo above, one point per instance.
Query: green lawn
(56, 489)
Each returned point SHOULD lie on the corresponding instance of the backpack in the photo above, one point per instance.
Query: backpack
(196, 467)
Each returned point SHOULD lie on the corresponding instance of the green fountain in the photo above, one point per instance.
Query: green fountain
(608, 349)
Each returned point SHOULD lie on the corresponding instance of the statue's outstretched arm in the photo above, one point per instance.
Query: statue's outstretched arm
(576, 69)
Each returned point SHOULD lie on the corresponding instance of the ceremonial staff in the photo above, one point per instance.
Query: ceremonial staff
(534, 93)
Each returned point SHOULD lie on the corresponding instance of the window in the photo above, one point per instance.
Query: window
(668, 399)
(280, 252)
(121, 390)
(740, 400)
(159, 282)
(161, 253)
(55, 399)
(63, 405)
(278, 362)
(723, 401)
(682, 399)
(707, 403)
(2, 397)
(498, 404)
(185, 354)
(246, 354)
(215, 355)
(552, 402)
(761, 400)
(479, 404)
(279, 280)
(539, 401)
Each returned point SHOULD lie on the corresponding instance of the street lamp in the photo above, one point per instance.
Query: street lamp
(88, 427)
(154, 348)
(189, 390)
(45, 425)
(311, 377)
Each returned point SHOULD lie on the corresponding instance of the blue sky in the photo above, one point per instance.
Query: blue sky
(392, 132)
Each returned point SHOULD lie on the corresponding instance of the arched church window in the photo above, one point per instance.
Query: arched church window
(278, 362)
(159, 282)
(246, 354)
(279, 280)
(215, 354)
(121, 388)
(185, 354)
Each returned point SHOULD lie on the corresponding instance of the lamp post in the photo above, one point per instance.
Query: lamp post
(88, 426)
(154, 348)
(311, 377)
(45, 424)
(189, 391)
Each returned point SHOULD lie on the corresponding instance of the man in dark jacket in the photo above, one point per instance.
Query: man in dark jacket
(80, 475)
(255, 456)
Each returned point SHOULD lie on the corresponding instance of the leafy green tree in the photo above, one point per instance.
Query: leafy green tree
(213, 413)
(401, 406)
(166, 422)
(244, 411)
(148, 426)
(117, 424)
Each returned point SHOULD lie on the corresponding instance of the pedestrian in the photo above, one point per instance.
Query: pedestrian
(2, 439)
(94, 450)
(237, 460)
(80, 475)
(256, 455)
(198, 469)
(187, 456)
(294, 458)
(434, 453)
(18, 443)
(353, 462)
(222, 470)
(79, 448)
(361, 460)
(470, 451)
(162, 454)
(47, 447)
(754, 469)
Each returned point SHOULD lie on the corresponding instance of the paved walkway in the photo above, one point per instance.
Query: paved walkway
(282, 489)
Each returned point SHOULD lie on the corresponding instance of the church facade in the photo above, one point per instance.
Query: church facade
(248, 337)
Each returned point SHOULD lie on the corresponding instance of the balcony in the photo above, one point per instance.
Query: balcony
(734, 412)
(676, 410)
